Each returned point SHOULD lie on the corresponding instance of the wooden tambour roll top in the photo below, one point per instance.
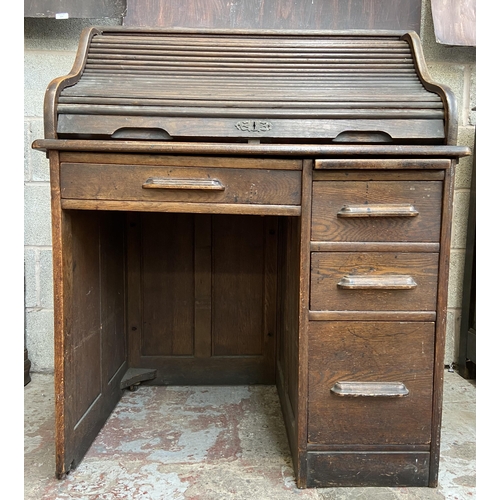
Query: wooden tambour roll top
(239, 86)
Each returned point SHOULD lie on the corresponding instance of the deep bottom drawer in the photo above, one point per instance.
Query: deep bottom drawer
(378, 354)
(389, 469)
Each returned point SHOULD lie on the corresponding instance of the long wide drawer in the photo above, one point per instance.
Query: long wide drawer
(376, 210)
(373, 281)
(370, 383)
(180, 184)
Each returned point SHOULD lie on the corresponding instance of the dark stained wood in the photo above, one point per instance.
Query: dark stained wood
(359, 87)
(360, 164)
(113, 296)
(200, 203)
(238, 265)
(167, 284)
(134, 287)
(214, 148)
(182, 207)
(276, 14)
(449, 99)
(368, 469)
(288, 326)
(92, 357)
(372, 315)
(328, 269)
(303, 334)
(326, 126)
(270, 296)
(370, 352)
(188, 272)
(62, 291)
(253, 162)
(373, 246)
(27, 367)
(441, 317)
(134, 376)
(332, 197)
(203, 286)
(362, 174)
(126, 182)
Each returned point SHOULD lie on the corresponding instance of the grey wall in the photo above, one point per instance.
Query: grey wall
(49, 51)
(50, 48)
(455, 67)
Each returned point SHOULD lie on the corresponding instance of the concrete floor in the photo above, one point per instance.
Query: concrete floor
(217, 443)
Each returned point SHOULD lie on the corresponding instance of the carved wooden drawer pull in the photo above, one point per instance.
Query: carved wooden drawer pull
(194, 184)
(370, 389)
(383, 282)
(380, 210)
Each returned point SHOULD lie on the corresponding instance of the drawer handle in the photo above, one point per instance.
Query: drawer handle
(370, 389)
(193, 184)
(383, 282)
(381, 210)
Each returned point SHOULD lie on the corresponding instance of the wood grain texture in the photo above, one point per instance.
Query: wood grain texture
(371, 352)
(188, 273)
(327, 270)
(156, 160)
(441, 321)
(126, 182)
(277, 14)
(287, 357)
(167, 268)
(238, 271)
(373, 246)
(331, 198)
(368, 469)
(356, 166)
(182, 84)
(182, 207)
(212, 286)
(303, 334)
(315, 150)
(372, 315)
(91, 358)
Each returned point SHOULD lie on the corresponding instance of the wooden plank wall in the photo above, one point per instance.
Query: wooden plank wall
(454, 22)
(276, 14)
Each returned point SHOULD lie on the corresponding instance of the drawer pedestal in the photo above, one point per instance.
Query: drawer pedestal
(374, 324)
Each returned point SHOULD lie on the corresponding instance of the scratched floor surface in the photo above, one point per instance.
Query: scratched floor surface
(204, 443)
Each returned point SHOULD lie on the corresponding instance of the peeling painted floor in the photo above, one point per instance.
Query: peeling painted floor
(204, 443)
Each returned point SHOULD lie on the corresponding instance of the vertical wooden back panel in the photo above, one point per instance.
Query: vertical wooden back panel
(276, 14)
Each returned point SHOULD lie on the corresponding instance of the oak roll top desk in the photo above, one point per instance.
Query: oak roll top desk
(243, 207)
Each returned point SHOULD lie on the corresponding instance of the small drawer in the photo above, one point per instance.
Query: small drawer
(376, 210)
(370, 383)
(373, 281)
(91, 181)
